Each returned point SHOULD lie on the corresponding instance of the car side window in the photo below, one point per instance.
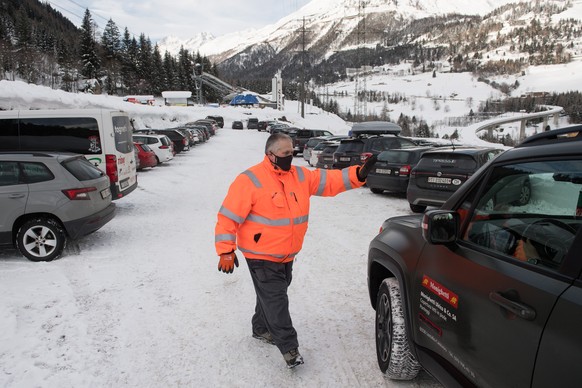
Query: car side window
(518, 216)
(36, 172)
(9, 174)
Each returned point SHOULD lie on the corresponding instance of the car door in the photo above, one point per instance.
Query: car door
(485, 300)
(13, 197)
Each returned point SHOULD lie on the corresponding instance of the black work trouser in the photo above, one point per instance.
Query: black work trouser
(271, 281)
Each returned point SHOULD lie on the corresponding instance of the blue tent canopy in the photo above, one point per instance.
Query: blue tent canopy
(244, 99)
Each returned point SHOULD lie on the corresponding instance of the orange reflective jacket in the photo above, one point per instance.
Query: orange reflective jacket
(265, 212)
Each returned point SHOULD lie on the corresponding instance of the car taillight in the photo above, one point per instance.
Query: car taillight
(184, 141)
(365, 156)
(79, 194)
(164, 147)
(405, 170)
(111, 168)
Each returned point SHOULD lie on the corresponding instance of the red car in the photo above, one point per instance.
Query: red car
(147, 157)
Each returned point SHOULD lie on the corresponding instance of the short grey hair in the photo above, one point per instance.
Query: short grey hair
(274, 140)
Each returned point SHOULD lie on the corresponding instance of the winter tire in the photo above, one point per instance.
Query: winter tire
(417, 208)
(376, 191)
(392, 347)
(41, 239)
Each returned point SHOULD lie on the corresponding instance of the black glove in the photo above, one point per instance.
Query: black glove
(366, 167)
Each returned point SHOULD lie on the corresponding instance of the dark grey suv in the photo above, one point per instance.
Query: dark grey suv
(440, 172)
(46, 198)
(485, 291)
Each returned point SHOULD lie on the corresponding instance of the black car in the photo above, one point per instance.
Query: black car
(179, 139)
(209, 124)
(367, 139)
(392, 170)
(253, 123)
(301, 136)
(439, 173)
(219, 120)
(353, 151)
(262, 125)
(237, 125)
(484, 291)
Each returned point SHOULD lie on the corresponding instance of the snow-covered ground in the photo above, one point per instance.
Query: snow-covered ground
(141, 303)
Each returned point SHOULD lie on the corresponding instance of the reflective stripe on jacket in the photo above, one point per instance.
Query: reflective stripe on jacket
(266, 211)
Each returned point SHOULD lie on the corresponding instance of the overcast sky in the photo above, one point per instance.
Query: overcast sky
(181, 18)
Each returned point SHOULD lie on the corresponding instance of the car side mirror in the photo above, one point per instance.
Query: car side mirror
(440, 226)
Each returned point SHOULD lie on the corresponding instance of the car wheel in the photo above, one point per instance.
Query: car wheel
(524, 194)
(392, 347)
(41, 239)
(417, 208)
(376, 191)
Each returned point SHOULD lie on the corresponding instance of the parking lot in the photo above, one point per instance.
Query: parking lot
(141, 303)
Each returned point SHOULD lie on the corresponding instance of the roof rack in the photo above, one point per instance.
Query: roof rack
(375, 128)
(572, 133)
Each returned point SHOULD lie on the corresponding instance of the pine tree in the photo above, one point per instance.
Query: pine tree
(90, 63)
(111, 40)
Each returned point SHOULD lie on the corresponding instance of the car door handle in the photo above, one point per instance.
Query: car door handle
(18, 195)
(519, 309)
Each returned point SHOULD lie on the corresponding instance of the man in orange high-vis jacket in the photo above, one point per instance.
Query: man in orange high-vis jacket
(265, 216)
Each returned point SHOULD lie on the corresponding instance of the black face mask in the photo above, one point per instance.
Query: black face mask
(284, 163)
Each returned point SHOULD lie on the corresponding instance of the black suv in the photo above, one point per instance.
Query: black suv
(353, 151)
(301, 136)
(441, 172)
(392, 170)
(485, 292)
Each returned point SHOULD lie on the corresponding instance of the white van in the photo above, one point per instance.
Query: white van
(103, 136)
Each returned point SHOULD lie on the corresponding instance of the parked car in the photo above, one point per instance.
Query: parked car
(159, 143)
(262, 126)
(253, 123)
(392, 170)
(237, 125)
(312, 142)
(274, 126)
(484, 292)
(440, 172)
(209, 124)
(48, 198)
(179, 139)
(325, 157)
(301, 136)
(102, 135)
(147, 157)
(219, 120)
(354, 150)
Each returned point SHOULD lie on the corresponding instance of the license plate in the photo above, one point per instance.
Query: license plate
(105, 193)
(383, 171)
(434, 179)
(345, 159)
(123, 184)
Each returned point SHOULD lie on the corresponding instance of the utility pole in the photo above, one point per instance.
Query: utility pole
(360, 107)
(302, 92)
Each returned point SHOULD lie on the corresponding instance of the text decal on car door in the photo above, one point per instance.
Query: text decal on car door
(441, 291)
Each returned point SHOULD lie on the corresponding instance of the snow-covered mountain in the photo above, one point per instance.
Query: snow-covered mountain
(173, 44)
(325, 18)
